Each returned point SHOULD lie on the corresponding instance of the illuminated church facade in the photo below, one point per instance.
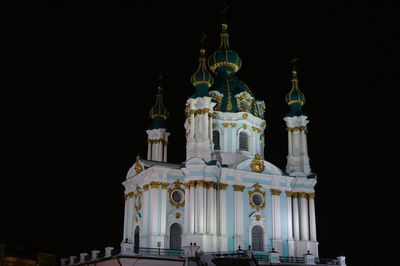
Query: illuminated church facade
(225, 194)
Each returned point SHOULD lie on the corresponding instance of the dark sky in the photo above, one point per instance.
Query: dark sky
(82, 83)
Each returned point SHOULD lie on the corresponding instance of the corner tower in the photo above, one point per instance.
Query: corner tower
(157, 132)
(298, 162)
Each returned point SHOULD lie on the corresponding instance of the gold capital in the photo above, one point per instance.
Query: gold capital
(201, 183)
(164, 185)
(303, 195)
(233, 125)
(222, 186)
(289, 194)
(154, 184)
(192, 183)
(295, 194)
(276, 192)
(225, 124)
(311, 195)
(238, 188)
(146, 187)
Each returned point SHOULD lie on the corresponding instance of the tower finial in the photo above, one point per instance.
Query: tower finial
(202, 41)
(224, 13)
(294, 60)
(160, 77)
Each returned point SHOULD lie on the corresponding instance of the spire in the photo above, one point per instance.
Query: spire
(224, 60)
(202, 79)
(158, 112)
(295, 98)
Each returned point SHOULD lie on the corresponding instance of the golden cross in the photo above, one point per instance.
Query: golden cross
(294, 60)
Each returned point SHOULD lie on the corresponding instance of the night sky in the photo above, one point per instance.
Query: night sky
(82, 83)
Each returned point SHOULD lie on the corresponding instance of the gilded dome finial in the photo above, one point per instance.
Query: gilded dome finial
(224, 14)
(295, 98)
(201, 79)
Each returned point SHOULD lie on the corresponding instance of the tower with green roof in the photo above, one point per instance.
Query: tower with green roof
(298, 162)
(157, 132)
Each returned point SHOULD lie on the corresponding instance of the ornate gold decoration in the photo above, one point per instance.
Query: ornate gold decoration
(145, 187)
(256, 190)
(177, 187)
(289, 194)
(229, 106)
(138, 166)
(178, 215)
(126, 196)
(223, 186)
(130, 194)
(244, 126)
(192, 183)
(214, 126)
(211, 184)
(300, 128)
(303, 195)
(311, 195)
(295, 195)
(138, 198)
(225, 124)
(257, 165)
(224, 64)
(245, 116)
(276, 192)
(136, 219)
(258, 217)
(238, 188)
(164, 185)
(233, 125)
(201, 183)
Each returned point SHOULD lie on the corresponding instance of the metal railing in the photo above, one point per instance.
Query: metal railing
(160, 252)
(326, 261)
(291, 259)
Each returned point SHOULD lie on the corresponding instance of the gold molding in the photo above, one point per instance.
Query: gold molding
(244, 126)
(223, 186)
(233, 125)
(164, 185)
(146, 187)
(258, 217)
(295, 194)
(177, 215)
(244, 116)
(138, 166)
(238, 188)
(276, 192)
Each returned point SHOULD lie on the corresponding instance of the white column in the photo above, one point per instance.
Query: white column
(163, 208)
(148, 150)
(225, 148)
(197, 134)
(214, 208)
(311, 207)
(192, 122)
(222, 209)
(211, 208)
(200, 207)
(165, 152)
(238, 190)
(290, 151)
(191, 209)
(296, 230)
(304, 217)
(233, 130)
(289, 214)
(130, 216)
(153, 151)
(144, 231)
(296, 144)
(210, 130)
(205, 126)
(276, 214)
(186, 226)
(154, 208)
(125, 219)
(304, 136)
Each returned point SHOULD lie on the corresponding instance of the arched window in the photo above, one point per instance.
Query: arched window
(175, 236)
(257, 238)
(136, 240)
(216, 140)
(243, 141)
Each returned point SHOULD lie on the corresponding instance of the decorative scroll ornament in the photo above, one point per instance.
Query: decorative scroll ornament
(257, 197)
(138, 166)
(138, 198)
(177, 195)
(257, 165)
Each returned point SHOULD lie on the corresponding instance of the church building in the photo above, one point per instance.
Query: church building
(225, 195)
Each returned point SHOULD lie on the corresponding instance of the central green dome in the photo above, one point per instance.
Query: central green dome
(224, 59)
